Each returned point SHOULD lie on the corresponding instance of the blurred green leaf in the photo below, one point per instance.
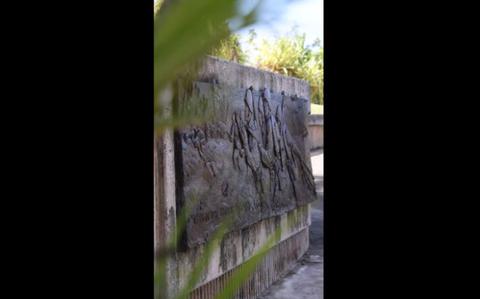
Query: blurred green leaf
(188, 109)
(184, 32)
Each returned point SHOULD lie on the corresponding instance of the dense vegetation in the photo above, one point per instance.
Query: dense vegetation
(230, 49)
(288, 55)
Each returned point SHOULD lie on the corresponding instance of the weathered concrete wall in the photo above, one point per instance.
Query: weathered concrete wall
(239, 245)
(315, 131)
(241, 76)
(164, 195)
(278, 262)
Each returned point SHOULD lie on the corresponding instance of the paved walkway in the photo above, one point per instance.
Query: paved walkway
(305, 281)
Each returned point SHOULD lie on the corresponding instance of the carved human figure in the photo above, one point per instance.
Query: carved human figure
(249, 109)
(198, 139)
(267, 114)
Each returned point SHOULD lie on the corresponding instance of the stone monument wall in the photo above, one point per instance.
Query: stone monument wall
(249, 164)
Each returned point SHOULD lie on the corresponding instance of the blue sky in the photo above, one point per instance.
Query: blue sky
(277, 17)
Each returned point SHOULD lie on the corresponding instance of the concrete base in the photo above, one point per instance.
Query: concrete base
(239, 246)
(280, 260)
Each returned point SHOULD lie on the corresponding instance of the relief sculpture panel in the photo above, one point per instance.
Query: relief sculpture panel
(249, 161)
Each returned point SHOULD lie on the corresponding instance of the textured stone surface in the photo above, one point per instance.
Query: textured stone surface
(278, 261)
(248, 163)
(241, 76)
(234, 250)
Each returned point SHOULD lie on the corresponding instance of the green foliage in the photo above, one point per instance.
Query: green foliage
(185, 31)
(290, 56)
(230, 49)
(157, 4)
